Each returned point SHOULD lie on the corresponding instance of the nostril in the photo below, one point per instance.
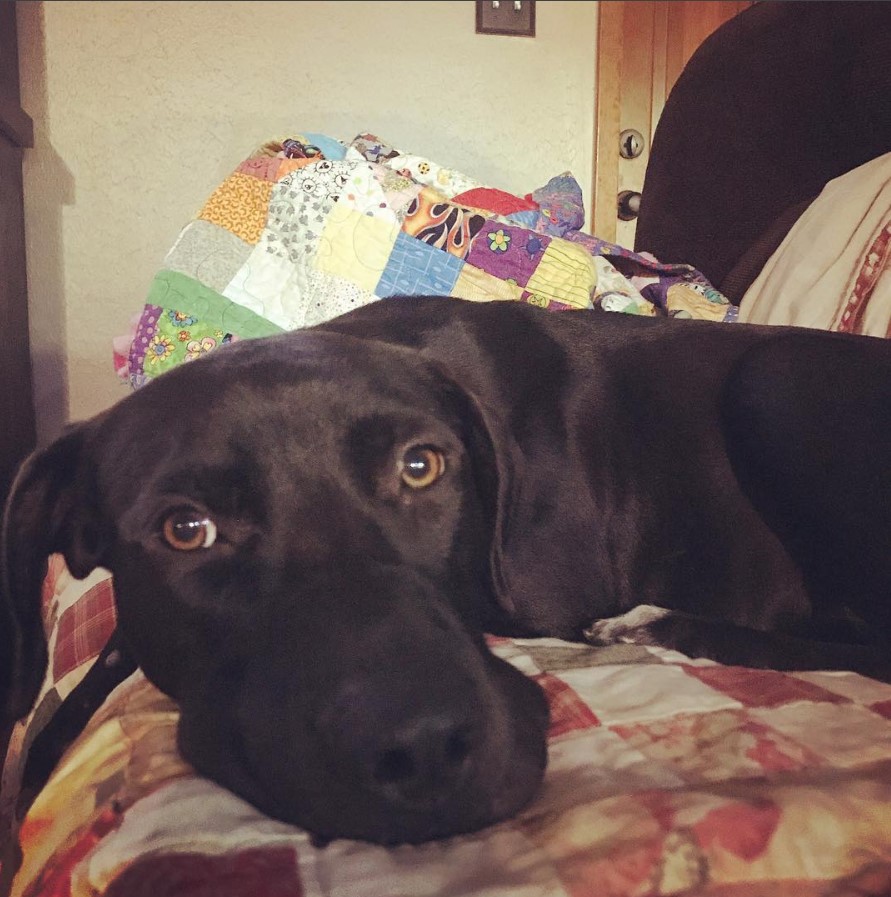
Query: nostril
(457, 747)
(394, 766)
(431, 756)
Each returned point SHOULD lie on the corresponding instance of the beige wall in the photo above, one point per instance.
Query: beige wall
(141, 108)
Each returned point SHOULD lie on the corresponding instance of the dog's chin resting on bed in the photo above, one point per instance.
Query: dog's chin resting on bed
(309, 566)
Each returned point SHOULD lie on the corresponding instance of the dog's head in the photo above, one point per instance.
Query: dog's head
(301, 531)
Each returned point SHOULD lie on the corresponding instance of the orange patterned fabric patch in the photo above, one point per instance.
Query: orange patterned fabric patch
(240, 204)
(431, 218)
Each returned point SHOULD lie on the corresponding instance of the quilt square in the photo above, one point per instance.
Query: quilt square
(857, 688)
(846, 735)
(208, 253)
(762, 688)
(630, 693)
(431, 219)
(598, 764)
(713, 747)
(84, 628)
(355, 246)
(240, 205)
(508, 252)
(554, 656)
(567, 273)
(478, 286)
(568, 712)
(264, 168)
(416, 268)
(362, 190)
(296, 220)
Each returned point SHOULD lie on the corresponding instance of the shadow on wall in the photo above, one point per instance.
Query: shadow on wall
(49, 185)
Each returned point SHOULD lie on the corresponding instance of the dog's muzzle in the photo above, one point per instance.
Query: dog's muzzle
(399, 727)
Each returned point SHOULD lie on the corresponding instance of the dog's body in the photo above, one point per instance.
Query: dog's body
(308, 567)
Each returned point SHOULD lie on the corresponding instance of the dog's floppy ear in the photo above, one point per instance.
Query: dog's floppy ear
(50, 509)
(496, 458)
(523, 492)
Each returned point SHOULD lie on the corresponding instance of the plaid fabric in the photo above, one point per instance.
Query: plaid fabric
(666, 776)
(83, 629)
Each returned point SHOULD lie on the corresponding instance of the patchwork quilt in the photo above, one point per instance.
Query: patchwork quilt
(309, 227)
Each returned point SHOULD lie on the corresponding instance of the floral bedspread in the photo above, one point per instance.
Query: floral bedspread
(309, 227)
(666, 776)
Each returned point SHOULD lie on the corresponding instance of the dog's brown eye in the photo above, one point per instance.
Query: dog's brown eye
(421, 466)
(188, 530)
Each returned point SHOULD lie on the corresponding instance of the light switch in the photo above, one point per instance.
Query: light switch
(516, 17)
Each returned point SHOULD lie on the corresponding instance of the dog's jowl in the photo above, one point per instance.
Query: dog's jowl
(309, 568)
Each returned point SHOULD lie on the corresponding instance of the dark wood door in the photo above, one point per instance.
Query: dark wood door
(17, 430)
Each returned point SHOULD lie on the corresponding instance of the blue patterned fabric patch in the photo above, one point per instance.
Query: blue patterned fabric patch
(415, 267)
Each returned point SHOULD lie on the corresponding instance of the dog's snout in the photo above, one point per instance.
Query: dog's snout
(425, 761)
(392, 753)
(395, 724)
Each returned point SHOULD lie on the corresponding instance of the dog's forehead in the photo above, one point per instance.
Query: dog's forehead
(314, 357)
(309, 384)
(304, 365)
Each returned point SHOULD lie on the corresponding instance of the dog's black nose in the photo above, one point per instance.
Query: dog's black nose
(418, 753)
(422, 762)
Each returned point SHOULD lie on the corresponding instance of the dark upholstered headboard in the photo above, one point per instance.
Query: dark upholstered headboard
(778, 101)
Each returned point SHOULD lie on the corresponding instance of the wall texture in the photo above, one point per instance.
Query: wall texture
(141, 108)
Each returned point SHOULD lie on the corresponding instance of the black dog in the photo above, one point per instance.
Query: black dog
(309, 565)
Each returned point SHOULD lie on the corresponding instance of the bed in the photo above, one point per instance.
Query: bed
(667, 774)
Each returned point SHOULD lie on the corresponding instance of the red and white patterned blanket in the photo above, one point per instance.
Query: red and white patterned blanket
(666, 776)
